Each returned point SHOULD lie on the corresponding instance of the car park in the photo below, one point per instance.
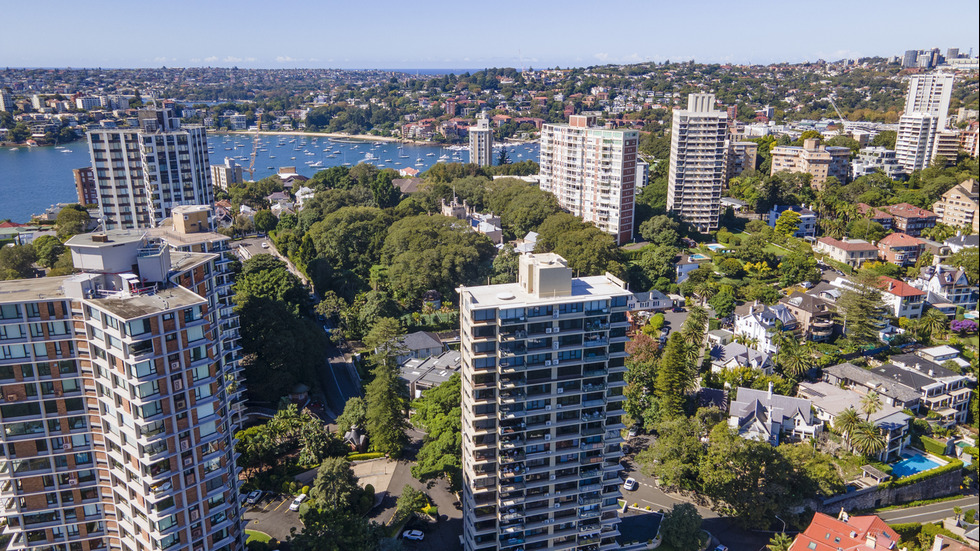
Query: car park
(294, 506)
(413, 535)
(630, 484)
(265, 245)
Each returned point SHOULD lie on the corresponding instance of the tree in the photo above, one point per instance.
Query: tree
(674, 455)
(439, 414)
(674, 376)
(969, 260)
(386, 195)
(48, 249)
(354, 414)
(503, 158)
(866, 229)
(870, 404)
(17, 261)
(661, 230)
(859, 308)
(410, 501)
(780, 542)
(265, 221)
(641, 369)
(846, 422)
(334, 529)
(72, 219)
(788, 223)
(935, 323)
(795, 360)
(335, 486)
(723, 303)
(350, 238)
(385, 415)
(885, 138)
(383, 336)
(867, 439)
(681, 527)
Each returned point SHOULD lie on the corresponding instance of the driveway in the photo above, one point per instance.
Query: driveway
(272, 516)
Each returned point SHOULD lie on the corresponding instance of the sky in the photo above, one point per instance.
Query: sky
(399, 34)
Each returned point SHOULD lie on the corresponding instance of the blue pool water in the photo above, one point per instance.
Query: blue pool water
(913, 465)
(699, 257)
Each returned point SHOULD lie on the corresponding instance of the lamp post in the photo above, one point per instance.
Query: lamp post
(783, 521)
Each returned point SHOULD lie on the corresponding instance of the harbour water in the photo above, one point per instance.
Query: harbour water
(31, 179)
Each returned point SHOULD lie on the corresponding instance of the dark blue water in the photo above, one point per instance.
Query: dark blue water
(31, 179)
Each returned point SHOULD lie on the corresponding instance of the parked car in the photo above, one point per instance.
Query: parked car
(633, 432)
(265, 245)
(294, 506)
(254, 497)
(630, 484)
(413, 535)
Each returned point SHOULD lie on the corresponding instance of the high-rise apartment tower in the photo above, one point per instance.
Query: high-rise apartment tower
(697, 162)
(592, 172)
(926, 107)
(141, 174)
(481, 142)
(543, 365)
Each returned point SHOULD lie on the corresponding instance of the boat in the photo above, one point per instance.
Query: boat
(272, 156)
(292, 158)
(430, 154)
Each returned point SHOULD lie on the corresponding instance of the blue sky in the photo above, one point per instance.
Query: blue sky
(494, 33)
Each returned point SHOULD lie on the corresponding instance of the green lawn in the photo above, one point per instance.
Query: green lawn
(255, 535)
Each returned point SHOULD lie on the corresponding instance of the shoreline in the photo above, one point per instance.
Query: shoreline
(354, 137)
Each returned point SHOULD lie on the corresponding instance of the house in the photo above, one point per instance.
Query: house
(814, 316)
(408, 172)
(960, 242)
(733, 355)
(960, 206)
(808, 219)
(846, 533)
(720, 337)
(942, 354)
(863, 381)
(943, 391)
(418, 345)
(901, 249)
(407, 185)
(947, 282)
(852, 252)
(650, 300)
(910, 218)
(303, 195)
(902, 299)
(829, 401)
(423, 374)
(876, 214)
(761, 324)
(528, 243)
(767, 417)
(687, 264)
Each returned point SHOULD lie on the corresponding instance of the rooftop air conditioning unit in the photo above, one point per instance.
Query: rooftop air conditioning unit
(554, 346)
(73, 481)
(174, 365)
(547, 408)
(547, 437)
(560, 390)
(178, 384)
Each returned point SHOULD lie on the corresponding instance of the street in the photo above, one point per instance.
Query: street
(930, 513)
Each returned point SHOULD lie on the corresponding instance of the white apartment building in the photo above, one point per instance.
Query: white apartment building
(543, 365)
(926, 107)
(226, 175)
(142, 174)
(697, 162)
(592, 172)
(121, 396)
(481, 142)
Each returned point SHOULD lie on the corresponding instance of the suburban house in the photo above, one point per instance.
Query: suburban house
(418, 345)
(303, 195)
(949, 283)
(829, 401)
(901, 249)
(876, 214)
(846, 533)
(808, 219)
(902, 299)
(942, 354)
(687, 264)
(943, 391)
(733, 355)
(423, 374)
(814, 316)
(768, 417)
(650, 300)
(852, 252)
(863, 381)
(761, 324)
(960, 242)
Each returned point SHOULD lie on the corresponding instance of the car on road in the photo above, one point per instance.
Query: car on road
(677, 309)
(632, 433)
(265, 245)
(413, 535)
(294, 506)
(254, 497)
(630, 484)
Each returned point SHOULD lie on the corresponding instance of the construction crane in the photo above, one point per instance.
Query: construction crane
(255, 150)
(843, 123)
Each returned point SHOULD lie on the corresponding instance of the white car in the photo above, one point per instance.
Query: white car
(265, 245)
(414, 535)
(630, 484)
(294, 506)
(254, 497)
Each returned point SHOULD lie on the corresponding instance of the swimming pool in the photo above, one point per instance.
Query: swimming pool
(699, 256)
(913, 465)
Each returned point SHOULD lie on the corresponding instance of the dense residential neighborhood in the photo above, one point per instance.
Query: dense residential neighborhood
(724, 307)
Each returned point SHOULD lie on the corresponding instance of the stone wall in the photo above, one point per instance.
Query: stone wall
(874, 497)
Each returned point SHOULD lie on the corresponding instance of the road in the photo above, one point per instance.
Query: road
(929, 513)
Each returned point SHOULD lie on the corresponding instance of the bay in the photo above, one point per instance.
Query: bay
(33, 178)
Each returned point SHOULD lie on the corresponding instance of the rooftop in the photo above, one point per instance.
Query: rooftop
(106, 239)
(138, 306)
(21, 290)
(512, 295)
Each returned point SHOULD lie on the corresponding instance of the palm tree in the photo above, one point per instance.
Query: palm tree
(746, 340)
(795, 359)
(870, 403)
(780, 542)
(834, 227)
(868, 440)
(845, 422)
(935, 322)
(705, 290)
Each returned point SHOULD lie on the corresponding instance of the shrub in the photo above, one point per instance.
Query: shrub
(364, 456)
(305, 490)
(933, 445)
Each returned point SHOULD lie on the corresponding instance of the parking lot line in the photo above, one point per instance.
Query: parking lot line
(283, 502)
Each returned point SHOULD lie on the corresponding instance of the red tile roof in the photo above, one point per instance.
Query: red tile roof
(9, 224)
(826, 533)
(899, 239)
(898, 288)
(863, 208)
(905, 210)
